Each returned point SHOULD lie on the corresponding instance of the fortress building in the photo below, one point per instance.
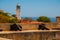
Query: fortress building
(58, 19)
(18, 11)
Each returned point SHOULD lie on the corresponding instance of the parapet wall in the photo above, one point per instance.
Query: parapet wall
(6, 26)
(31, 35)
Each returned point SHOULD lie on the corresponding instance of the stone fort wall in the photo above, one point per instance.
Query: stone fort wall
(31, 35)
(6, 26)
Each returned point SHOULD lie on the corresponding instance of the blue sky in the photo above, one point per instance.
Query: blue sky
(32, 8)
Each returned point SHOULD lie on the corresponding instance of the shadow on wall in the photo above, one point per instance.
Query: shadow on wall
(42, 27)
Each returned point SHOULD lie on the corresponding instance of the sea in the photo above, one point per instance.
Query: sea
(34, 18)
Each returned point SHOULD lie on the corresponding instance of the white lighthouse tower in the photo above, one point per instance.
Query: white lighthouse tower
(18, 11)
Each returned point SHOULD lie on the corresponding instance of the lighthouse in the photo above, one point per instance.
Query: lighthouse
(18, 11)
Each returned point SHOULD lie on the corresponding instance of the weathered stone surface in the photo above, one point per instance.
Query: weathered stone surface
(31, 35)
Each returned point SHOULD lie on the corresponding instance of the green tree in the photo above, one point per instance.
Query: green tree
(14, 15)
(43, 19)
(5, 14)
(4, 17)
(13, 20)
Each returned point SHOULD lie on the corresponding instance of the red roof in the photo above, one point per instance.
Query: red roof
(33, 22)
